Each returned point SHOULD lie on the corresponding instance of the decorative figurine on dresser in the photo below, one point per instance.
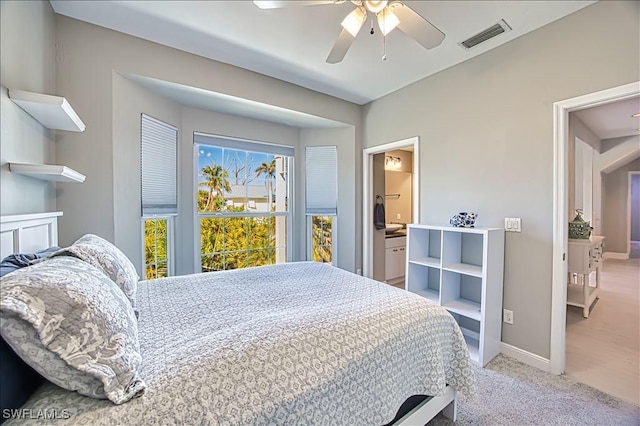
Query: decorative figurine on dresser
(585, 257)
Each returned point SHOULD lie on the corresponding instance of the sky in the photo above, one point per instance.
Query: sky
(232, 160)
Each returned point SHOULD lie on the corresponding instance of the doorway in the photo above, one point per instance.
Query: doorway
(368, 198)
(560, 213)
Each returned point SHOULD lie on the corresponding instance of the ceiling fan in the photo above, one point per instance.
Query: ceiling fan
(390, 14)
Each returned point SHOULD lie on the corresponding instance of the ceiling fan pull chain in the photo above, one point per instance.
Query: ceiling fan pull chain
(372, 31)
(384, 47)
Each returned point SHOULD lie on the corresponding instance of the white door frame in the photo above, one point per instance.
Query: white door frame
(367, 194)
(561, 112)
(631, 174)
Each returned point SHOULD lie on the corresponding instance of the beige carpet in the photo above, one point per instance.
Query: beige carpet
(512, 393)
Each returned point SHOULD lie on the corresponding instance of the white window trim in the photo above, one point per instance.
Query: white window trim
(170, 243)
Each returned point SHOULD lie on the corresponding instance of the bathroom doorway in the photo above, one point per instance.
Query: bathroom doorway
(374, 239)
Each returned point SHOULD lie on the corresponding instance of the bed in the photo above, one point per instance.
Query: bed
(297, 343)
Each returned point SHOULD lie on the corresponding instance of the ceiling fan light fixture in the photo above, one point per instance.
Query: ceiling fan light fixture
(353, 22)
(387, 21)
(375, 6)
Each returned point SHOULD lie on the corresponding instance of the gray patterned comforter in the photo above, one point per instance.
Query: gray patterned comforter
(299, 343)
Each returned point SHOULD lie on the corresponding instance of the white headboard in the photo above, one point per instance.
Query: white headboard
(28, 233)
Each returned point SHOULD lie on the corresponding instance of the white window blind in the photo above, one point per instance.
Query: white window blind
(321, 180)
(158, 167)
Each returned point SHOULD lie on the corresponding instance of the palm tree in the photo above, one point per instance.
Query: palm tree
(216, 181)
(269, 170)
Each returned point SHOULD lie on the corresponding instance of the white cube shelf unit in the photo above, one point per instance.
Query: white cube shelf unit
(461, 269)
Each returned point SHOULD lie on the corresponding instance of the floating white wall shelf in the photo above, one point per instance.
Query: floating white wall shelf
(47, 172)
(53, 112)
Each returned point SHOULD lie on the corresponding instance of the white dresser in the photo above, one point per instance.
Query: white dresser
(585, 257)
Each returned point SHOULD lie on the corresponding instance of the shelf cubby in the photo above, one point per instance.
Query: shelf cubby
(471, 331)
(425, 248)
(461, 294)
(463, 252)
(425, 281)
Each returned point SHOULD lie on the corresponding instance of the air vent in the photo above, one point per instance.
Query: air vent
(485, 35)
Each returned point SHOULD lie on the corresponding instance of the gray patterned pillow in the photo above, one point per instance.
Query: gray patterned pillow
(107, 258)
(72, 324)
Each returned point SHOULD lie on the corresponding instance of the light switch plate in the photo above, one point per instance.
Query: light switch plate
(507, 316)
(512, 224)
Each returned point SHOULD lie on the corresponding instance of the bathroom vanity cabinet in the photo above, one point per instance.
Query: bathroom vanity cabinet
(395, 258)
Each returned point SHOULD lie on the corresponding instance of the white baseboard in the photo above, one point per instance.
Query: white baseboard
(614, 255)
(526, 357)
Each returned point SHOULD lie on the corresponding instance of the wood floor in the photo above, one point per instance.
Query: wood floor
(603, 350)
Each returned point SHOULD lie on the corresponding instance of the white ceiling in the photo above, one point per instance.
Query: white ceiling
(292, 44)
(613, 120)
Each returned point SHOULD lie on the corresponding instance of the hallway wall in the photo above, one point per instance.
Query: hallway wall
(615, 191)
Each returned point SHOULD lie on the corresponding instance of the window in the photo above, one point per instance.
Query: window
(321, 207)
(243, 201)
(157, 241)
(158, 168)
(321, 238)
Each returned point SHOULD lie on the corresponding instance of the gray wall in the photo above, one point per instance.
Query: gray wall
(615, 192)
(635, 207)
(27, 60)
(90, 57)
(486, 135)
(398, 183)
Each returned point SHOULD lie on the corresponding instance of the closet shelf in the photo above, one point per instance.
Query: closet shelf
(47, 172)
(53, 112)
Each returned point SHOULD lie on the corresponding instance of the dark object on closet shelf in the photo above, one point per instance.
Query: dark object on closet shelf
(378, 213)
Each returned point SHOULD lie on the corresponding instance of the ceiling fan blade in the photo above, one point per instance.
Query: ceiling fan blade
(280, 4)
(418, 28)
(340, 47)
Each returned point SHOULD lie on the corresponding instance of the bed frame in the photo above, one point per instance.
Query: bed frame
(34, 232)
(28, 233)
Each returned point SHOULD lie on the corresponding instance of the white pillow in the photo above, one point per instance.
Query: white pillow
(107, 258)
(73, 325)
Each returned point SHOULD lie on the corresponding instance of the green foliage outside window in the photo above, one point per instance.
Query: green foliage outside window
(235, 242)
(321, 242)
(238, 242)
(155, 248)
